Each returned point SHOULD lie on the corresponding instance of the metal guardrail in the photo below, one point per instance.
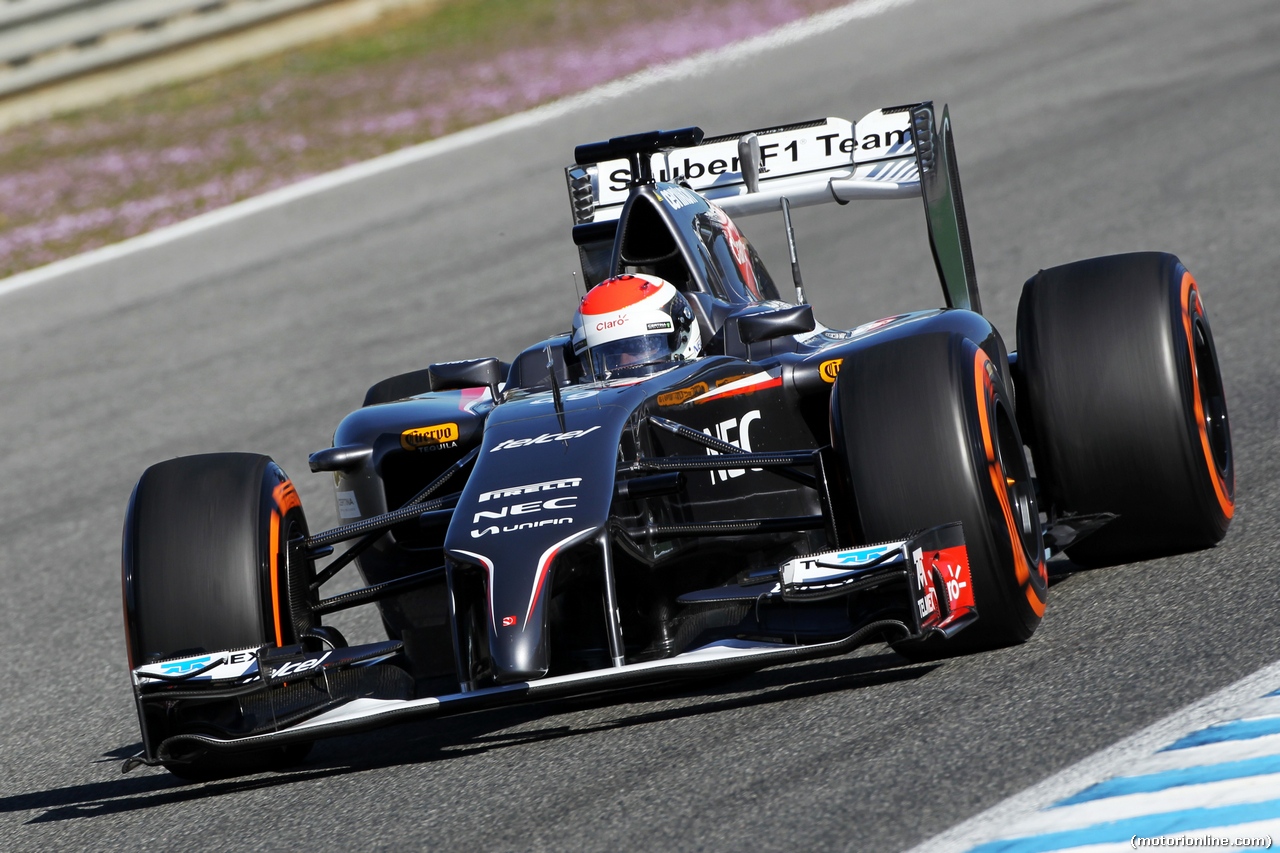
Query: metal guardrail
(43, 41)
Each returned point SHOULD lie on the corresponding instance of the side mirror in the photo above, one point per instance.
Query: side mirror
(345, 457)
(767, 325)
(475, 373)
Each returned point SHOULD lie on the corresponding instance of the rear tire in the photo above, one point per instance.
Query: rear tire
(926, 430)
(1123, 395)
(206, 569)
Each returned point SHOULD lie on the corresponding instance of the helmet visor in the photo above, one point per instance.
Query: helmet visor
(638, 356)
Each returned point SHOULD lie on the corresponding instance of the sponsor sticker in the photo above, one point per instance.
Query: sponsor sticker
(927, 603)
(221, 665)
(830, 370)
(493, 529)
(878, 139)
(679, 197)
(348, 507)
(428, 436)
(295, 667)
(545, 438)
(953, 566)
(507, 514)
(832, 564)
(954, 583)
(565, 502)
(508, 621)
(738, 433)
(785, 151)
(720, 383)
(682, 395)
(530, 488)
(182, 667)
(858, 556)
(750, 383)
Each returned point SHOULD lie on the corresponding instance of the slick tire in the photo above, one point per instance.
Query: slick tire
(206, 569)
(1120, 385)
(927, 433)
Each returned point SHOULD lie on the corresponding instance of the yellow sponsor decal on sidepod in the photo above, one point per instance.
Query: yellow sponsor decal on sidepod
(675, 398)
(412, 439)
(830, 369)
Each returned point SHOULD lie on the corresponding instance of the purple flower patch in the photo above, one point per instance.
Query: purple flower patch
(68, 184)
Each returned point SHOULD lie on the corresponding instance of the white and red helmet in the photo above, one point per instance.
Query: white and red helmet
(634, 325)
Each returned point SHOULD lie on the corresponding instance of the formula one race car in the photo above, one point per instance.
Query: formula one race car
(559, 525)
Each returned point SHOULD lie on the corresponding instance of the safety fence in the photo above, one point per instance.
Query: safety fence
(44, 41)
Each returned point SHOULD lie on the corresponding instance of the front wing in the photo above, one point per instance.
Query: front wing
(289, 696)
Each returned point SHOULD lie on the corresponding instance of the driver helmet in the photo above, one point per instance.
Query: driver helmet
(634, 325)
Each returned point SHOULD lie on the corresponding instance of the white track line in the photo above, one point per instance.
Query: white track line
(1120, 759)
(683, 69)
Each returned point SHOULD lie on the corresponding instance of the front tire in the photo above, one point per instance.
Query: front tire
(207, 569)
(926, 430)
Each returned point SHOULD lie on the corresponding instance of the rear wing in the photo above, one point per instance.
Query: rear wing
(895, 152)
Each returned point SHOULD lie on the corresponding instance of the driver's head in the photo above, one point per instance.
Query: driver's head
(634, 325)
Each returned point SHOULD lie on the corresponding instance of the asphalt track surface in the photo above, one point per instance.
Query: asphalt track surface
(1083, 128)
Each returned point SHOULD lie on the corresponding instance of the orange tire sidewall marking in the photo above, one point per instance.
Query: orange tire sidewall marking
(275, 574)
(286, 497)
(1022, 569)
(1226, 502)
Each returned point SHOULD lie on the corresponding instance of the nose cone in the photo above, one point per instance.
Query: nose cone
(543, 483)
(518, 627)
(519, 649)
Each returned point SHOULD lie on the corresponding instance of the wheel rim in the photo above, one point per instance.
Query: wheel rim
(1212, 398)
(1208, 402)
(299, 575)
(1018, 487)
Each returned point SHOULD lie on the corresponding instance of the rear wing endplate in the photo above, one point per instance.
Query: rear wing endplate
(895, 152)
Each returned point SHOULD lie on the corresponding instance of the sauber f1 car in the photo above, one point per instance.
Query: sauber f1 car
(556, 525)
